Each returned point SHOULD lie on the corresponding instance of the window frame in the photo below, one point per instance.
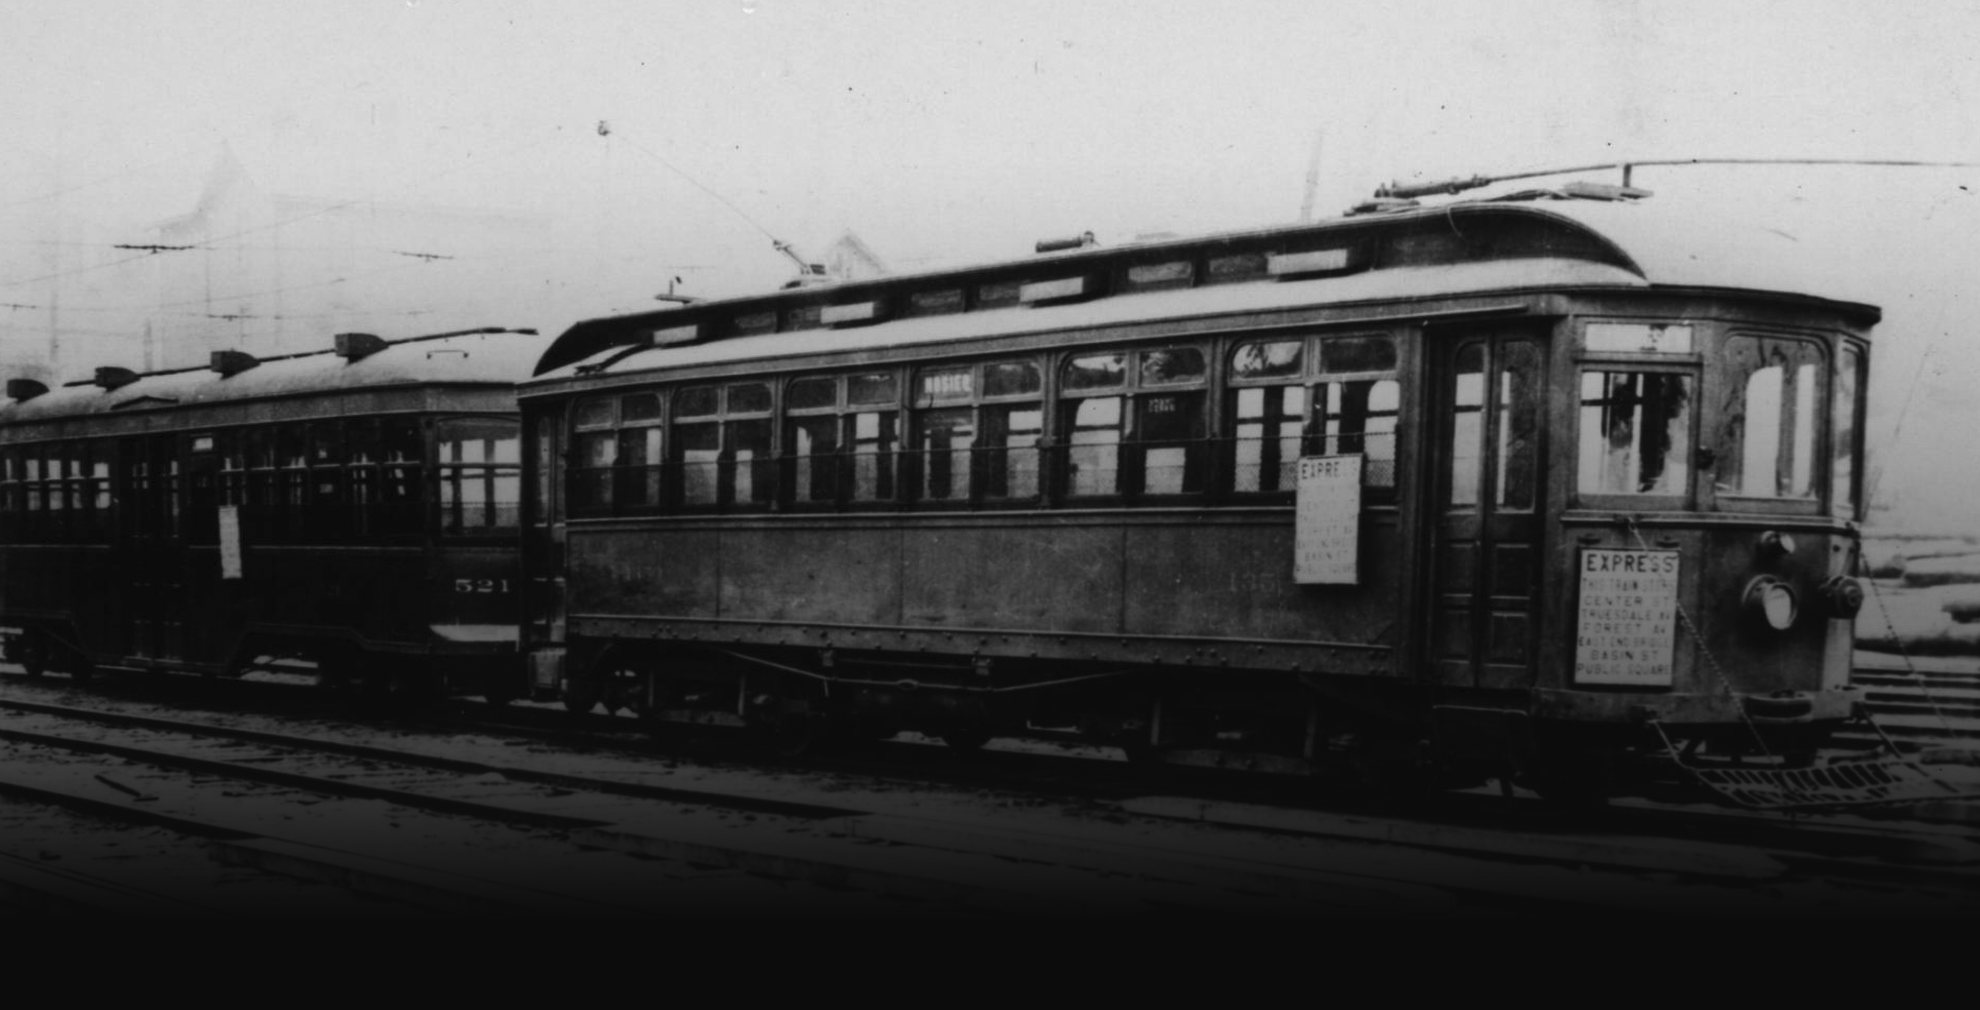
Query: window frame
(1727, 394)
(910, 480)
(724, 419)
(842, 461)
(1854, 507)
(488, 471)
(1131, 448)
(1688, 364)
(627, 476)
(1314, 380)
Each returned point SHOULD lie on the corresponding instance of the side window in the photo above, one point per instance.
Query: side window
(33, 494)
(57, 473)
(261, 518)
(325, 522)
(1635, 432)
(840, 438)
(1169, 427)
(292, 467)
(976, 432)
(1356, 402)
(721, 444)
(1268, 408)
(360, 475)
(202, 488)
(944, 432)
(546, 469)
(641, 453)
(1092, 390)
(812, 439)
(873, 414)
(479, 474)
(594, 453)
(10, 496)
(1329, 395)
(1134, 422)
(402, 445)
(1013, 420)
(1770, 415)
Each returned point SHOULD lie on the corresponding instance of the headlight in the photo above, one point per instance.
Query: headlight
(1770, 600)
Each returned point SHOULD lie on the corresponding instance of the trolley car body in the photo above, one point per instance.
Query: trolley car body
(355, 507)
(1599, 495)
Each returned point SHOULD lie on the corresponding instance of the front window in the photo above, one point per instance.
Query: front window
(1635, 433)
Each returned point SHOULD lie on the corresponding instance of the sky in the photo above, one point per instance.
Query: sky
(656, 140)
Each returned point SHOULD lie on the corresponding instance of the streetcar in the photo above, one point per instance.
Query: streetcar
(1507, 486)
(353, 507)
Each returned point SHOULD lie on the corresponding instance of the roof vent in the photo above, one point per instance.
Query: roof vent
(232, 362)
(1080, 241)
(25, 389)
(112, 377)
(1585, 190)
(353, 346)
(852, 314)
(1381, 205)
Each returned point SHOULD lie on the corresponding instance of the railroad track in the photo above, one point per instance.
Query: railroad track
(1921, 702)
(791, 855)
(891, 838)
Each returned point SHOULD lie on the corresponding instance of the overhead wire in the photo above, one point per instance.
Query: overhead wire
(218, 243)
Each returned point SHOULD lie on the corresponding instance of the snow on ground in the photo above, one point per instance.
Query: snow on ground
(1923, 619)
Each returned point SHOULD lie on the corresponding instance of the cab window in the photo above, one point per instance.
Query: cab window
(1770, 418)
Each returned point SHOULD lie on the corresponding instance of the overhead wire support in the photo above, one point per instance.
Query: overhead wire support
(808, 273)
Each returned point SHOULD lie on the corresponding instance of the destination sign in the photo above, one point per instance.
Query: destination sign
(1627, 631)
(1327, 521)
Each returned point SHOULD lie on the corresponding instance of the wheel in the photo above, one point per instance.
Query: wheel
(336, 673)
(965, 739)
(34, 653)
(410, 686)
(623, 688)
(800, 734)
(1574, 782)
(582, 694)
(499, 691)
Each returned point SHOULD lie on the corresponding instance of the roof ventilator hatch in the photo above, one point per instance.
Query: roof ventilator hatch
(357, 346)
(112, 377)
(230, 363)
